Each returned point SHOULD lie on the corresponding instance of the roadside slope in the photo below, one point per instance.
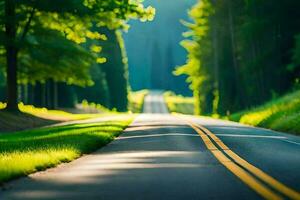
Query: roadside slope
(25, 152)
(282, 114)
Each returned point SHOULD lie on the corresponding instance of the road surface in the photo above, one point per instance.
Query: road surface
(162, 156)
(154, 103)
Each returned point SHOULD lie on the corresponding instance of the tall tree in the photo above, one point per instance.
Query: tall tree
(116, 69)
(11, 53)
(239, 52)
(72, 19)
(2, 85)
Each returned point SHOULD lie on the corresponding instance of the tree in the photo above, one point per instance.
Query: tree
(97, 93)
(199, 61)
(2, 85)
(11, 53)
(71, 19)
(116, 69)
(294, 67)
(239, 52)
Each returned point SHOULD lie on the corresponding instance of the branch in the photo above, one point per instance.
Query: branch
(27, 25)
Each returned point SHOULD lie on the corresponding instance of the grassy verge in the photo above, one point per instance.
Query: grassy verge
(32, 117)
(25, 152)
(282, 114)
(59, 115)
(21, 121)
(179, 104)
(136, 101)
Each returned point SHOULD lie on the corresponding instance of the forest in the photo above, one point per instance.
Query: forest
(241, 53)
(154, 47)
(157, 99)
(55, 54)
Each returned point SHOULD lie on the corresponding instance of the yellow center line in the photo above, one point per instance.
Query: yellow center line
(235, 169)
(256, 171)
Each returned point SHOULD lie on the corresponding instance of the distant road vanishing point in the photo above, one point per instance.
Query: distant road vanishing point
(166, 156)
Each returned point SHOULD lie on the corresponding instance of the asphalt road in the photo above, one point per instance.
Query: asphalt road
(154, 103)
(162, 156)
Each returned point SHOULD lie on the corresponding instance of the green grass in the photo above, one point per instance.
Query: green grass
(32, 117)
(179, 104)
(20, 121)
(136, 101)
(54, 114)
(25, 152)
(58, 115)
(282, 114)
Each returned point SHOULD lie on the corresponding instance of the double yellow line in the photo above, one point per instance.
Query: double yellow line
(255, 178)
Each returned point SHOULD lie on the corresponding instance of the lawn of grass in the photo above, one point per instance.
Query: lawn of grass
(282, 114)
(25, 152)
(136, 101)
(179, 104)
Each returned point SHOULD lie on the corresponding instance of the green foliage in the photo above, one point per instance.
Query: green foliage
(98, 92)
(68, 61)
(94, 108)
(281, 114)
(294, 67)
(198, 66)
(296, 56)
(238, 53)
(25, 152)
(47, 38)
(2, 105)
(2, 85)
(179, 104)
(2, 77)
(116, 70)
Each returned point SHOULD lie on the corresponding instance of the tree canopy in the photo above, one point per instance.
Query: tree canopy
(42, 40)
(241, 52)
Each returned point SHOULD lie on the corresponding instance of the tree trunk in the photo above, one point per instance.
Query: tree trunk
(55, 95)
(37, 100)
(216, 68)
(240, 95)
(11, 55)
(44, 93)
(30, 94)
(48, 94)
(51, 94)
